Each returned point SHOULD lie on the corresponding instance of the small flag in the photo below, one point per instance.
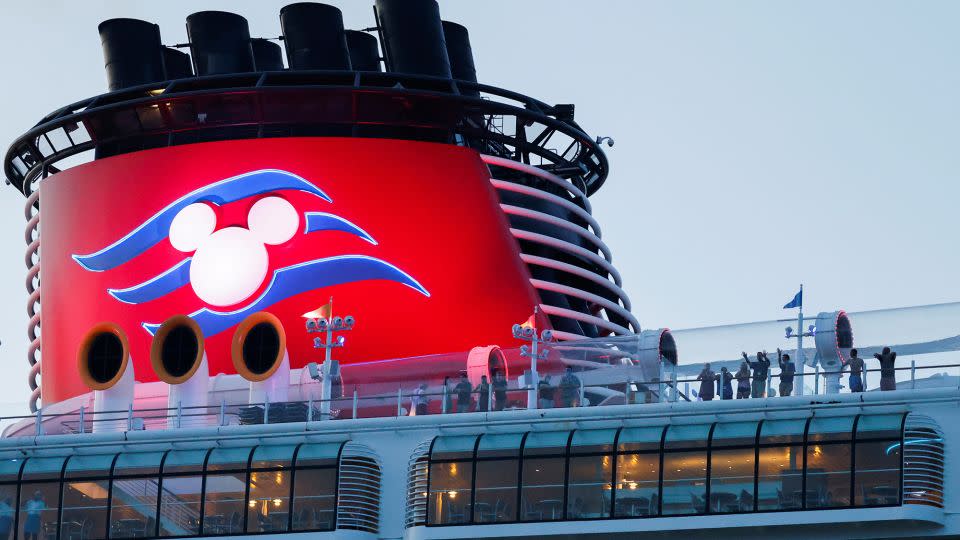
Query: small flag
(322, 312)
(531, 322)
(796, 302)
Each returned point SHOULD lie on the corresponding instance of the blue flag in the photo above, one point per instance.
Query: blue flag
(796, 302)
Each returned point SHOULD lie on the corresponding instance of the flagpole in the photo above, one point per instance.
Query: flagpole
(532, 401)
(800, 362)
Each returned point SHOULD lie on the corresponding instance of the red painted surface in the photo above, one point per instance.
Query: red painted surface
(430, 207)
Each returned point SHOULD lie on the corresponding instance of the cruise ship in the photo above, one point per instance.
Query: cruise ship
(330, 285)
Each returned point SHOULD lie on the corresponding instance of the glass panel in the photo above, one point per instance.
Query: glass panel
(879, 426)
(455, 447)
(10, 469)
(684, 483)
(223, 503)
(496, 493)
(782, 431)
(828, 475)
(39, 506)
(317, 455)
(43, 468)
(88, 466)
(735, 434)
(133, 508)
(546, 443)
(877, 478)
(830, 428)
(682, 436)
(780, 478)
(499, 445)
(640, 438)
(589, 481)
(269, 501)
(228, 459)
(8, 507)
(138, 463)
(731, 480)
(180, 461)
(84, 509)
(272, 456)
(314, 494)
(590, 441)
(180, 505)
(449, 500)
(638, 480)
(541, 496)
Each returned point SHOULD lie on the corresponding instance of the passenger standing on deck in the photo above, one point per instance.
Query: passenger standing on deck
(743, 381)
(707, 379)
(856, 371)
(545, 391)
(483, 394)
(888, 376)
(787, 371)
(726, 383)
(760, 369)
(499, 391)
(463, 389)
(420, 400)
(569, 389)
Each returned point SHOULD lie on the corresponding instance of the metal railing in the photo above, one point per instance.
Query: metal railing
(402, 401)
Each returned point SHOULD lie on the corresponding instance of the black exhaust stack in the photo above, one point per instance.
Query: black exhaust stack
(364, 52)
(131, 52)
(176, 64)
(460, 54)
(413, 37)
(314, 37)
(219, 43)
(267, 55)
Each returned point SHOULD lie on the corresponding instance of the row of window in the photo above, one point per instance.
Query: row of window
(176, 493)
(772, 465)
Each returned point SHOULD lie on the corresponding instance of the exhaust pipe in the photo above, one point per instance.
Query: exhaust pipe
(259, 353)
(104, 365)
(178, 358)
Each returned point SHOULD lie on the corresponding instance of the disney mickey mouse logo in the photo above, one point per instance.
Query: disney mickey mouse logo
(227, 266)
(230, 264)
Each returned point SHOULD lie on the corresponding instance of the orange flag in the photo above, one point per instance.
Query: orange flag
(322, 312)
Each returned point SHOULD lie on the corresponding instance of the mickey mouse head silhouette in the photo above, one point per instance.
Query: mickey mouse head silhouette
(230, 264)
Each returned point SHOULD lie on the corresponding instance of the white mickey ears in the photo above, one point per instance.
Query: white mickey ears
(273, 220)
(191, 226)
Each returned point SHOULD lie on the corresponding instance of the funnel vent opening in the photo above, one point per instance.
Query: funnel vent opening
(105, 358)
(179, 351)
(261, 348)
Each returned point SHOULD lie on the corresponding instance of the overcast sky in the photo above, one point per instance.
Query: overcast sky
(759, 144)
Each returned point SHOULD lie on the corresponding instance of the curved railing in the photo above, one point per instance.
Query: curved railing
(358, 489)
(276, 104)
(32, 260)
(923, 461)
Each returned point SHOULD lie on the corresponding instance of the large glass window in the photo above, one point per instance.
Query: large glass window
(9, 474)
(226, 487)
(498, 471)
(877, 460)
(685, 469)
(638, 485)
(732, 467)
(40, 498)
(86, 489)
(780, 465)
(181, 488)
(268, 509)
(451, 480)
(590, 474)
(315, 487)
(542, 476)
(828, 465)
(133, 506)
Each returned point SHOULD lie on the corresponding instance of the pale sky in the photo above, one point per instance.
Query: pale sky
(759, 144)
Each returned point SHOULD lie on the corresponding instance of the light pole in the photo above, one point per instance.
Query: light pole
(800, 363)
(328, 324)
(536, 351)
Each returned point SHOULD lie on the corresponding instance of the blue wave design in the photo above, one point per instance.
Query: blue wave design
(165, 283)
(157, 228)
(321, 221)
(293, 280)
